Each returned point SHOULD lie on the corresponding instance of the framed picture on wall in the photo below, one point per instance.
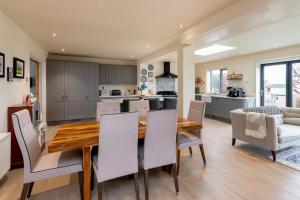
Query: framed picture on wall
(19, 68)
(2, 65)
(9, 74)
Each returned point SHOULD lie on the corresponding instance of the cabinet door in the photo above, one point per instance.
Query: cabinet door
(75, 85)
(115, 74)
(103, 73)
(92, 88)
(131, 72)
(55, 91)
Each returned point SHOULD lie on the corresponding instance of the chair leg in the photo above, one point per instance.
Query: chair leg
(80, 177)
(178, 161)
(146, 184)
(136, 184)
(274, 155)
(30, 189)
(25, 191)
(100, 187)
(202, 153)
(175, 178)
(92, 178)
(191, 151)
(233, 141)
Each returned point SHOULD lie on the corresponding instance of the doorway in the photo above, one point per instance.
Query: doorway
(280, 84)
(34, 78)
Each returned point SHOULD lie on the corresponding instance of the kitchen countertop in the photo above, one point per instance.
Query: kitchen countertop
(131, 96)
(223, 96)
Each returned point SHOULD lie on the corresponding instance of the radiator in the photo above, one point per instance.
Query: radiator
(4, 153)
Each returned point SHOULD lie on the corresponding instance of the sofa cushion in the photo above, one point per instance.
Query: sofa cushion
(293, 121)
(290, 112)
(269, 110)
(287, 132)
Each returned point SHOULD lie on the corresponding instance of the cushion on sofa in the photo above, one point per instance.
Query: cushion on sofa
(288, 132)
(293, 121)
(290, 112)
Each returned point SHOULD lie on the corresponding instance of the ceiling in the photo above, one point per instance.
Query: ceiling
(108, 29)
(278, 35)
(273, 25)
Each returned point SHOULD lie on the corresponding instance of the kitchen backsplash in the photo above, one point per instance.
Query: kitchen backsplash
(123, 88)
(165, 84)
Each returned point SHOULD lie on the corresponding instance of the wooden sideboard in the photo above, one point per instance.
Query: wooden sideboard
(16, 155)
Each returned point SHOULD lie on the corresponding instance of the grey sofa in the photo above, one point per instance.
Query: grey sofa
(283, 127)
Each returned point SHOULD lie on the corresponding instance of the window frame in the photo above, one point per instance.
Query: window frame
(220, 78)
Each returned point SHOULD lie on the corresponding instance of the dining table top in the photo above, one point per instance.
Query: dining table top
(82, 134)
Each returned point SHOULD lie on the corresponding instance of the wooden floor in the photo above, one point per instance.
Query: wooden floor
(241, 172)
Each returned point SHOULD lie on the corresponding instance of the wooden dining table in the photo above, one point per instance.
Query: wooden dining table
(85, 135)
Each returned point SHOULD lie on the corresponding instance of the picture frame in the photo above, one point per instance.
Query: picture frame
(9, 74)
(2, 65)
(18, 68)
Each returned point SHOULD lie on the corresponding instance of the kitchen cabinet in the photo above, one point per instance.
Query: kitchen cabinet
(72, 90)
(117, 74)
(220, 107)
(55, 80)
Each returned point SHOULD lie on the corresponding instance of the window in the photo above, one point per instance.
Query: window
(217, 81)
(280, 84)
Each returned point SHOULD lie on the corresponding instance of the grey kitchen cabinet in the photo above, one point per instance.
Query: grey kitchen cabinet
(220, 107)
(55, 90)
(92, 88)
(76, 102)
(117, 74)
(75, 84)
(103, 73)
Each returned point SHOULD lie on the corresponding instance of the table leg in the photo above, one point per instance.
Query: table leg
(87, 172)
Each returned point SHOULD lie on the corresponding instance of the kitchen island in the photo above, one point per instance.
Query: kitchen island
(219, 106)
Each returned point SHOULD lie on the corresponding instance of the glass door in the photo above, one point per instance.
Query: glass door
(295, 66)
(274, 84)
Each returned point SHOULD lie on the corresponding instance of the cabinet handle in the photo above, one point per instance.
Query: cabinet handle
(66, 98)
(87, 98)
(62, 98)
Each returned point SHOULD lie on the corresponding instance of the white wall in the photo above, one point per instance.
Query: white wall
(249, 66)
(14, 42)
(157, 70)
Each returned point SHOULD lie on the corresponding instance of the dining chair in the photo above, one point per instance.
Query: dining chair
(193, 138)
(38, 166)
(117, 154)
(159, 148)
(140, 106)
(108, 107)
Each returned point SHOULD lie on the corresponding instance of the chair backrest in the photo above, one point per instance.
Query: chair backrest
(196, 113)
(160, 139)
(141, 106)
(108, 107)
(117, 153)
(27, 139)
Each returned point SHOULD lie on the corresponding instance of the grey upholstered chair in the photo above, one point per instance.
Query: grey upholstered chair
(118, 149)
(37, 166)
(141, 106)
(159, 148)
(107, 107)
(192, 138)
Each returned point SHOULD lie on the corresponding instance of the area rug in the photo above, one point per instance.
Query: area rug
(289, 157)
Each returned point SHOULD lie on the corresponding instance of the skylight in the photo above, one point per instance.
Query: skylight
(214, 49)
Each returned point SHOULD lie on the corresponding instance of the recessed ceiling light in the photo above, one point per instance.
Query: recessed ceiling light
(54, 34)
(63, 50)
(147, 46)
(180, 26)
(131, 56)
(214, 49)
